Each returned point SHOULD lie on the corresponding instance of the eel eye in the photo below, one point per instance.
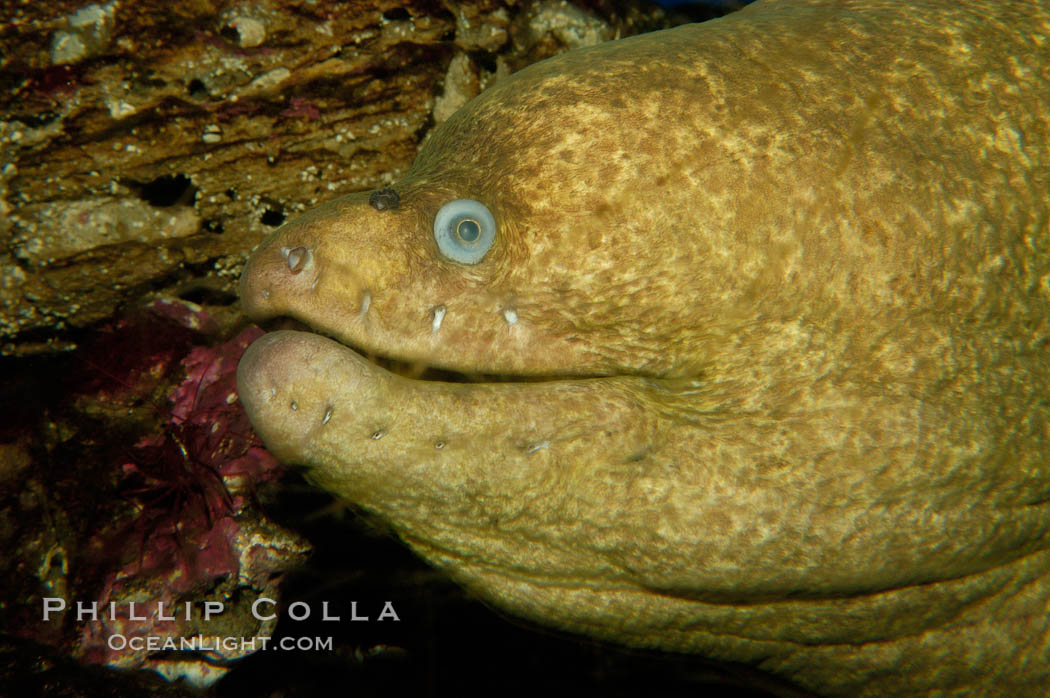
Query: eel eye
(464, 230)
(468, 230)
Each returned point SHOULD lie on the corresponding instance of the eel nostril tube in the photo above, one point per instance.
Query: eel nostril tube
(298, 258)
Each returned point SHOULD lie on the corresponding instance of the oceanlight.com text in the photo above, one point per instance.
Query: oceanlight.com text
(216, 643)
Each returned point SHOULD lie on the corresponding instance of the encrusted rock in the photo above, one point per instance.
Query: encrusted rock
(60, 229)
(142, 142)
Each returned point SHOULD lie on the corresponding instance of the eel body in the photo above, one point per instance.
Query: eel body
(758, 345)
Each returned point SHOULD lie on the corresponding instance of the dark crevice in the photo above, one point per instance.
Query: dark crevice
(168, 190)
(37, 120)
(196, 88)
(207, 295)
(272, 217)
(396, 14)
(230, 34)
(485, 59)
(683, 11)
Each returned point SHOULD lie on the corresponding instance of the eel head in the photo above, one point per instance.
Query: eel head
(652, 385)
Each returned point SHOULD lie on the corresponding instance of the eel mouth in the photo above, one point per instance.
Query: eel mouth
(414, 370)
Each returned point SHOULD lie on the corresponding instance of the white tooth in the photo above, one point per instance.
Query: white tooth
(366, 303)
(439, 317)
(537, 447)
(510, 315)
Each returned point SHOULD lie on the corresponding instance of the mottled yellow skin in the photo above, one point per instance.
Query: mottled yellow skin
(786, 277)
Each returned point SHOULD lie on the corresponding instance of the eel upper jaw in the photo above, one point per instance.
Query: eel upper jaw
(278, 289)
(382, 302)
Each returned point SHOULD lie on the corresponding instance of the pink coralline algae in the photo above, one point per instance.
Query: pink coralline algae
(214, 425)
(299, 107)
(194, 533)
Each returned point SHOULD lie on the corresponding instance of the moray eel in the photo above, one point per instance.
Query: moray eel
(753, 318)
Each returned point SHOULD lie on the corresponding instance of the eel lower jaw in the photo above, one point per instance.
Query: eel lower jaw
(319, 403)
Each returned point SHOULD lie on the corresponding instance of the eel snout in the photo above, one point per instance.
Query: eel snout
(279, 381)
(288, 267)
(287, 273)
